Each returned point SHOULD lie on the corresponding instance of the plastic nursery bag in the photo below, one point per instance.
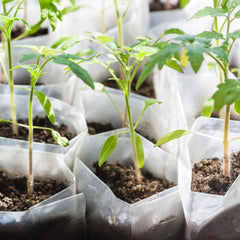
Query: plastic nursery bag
(64, 114)
(209, 216)
(157, 217)
(156, 121)
(55, 90)
(61, 216)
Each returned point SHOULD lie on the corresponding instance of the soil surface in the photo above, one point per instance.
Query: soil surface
(207, 175)
(39, 135)
(13, 192)
(122, 181)
(95, 128)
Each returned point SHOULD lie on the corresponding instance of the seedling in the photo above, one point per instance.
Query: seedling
(195, 47)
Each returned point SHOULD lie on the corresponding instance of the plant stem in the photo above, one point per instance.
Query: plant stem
(132, 137)
(11, 85)
(30, 142)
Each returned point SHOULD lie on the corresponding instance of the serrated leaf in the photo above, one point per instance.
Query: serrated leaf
(159, 58)
(173, 31)
(62, 141)
(151, 101)
(227, 94)
(79, 71)
(140, 150)
(67, 42)
(237, 14)
(171, 136)
(234, 35)
(208, 107)
(232, 4)
(209, 11)
(70, 9)
(108, 147)
(210, 35)
(46, 104)
(102, 37)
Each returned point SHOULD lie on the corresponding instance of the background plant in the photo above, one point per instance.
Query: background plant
(217, 44)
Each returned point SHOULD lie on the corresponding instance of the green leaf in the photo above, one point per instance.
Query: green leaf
(227, 94)
(234, 35)
(101, 37)
(62, 141)
(221, 54)
(29, 57)
(232, 4)
(237, 14)
(46, 104)
(174, 65)
(151, 101)
(208, 108)
(195, 56)
(79, 71)
(100, 87)
(171, 136)
(70, 9)
(159, 58)
(209, 11)
(210, 35)
(67, 41)
(237, 107)
(140, 150)
(183, 3)
(108, 147)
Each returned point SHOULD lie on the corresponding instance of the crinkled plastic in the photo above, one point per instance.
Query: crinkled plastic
(209, 216)
(157, 120)
(64, 113)
(61, 216)
(157, 217)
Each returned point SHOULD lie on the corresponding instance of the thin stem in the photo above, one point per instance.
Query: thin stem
(226, 170)
(11, 85)
(133, 141)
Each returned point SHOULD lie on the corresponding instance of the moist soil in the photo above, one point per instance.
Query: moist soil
(39, 135)
(123, 182)
(207, 175)
(13, 192)
(95, 128)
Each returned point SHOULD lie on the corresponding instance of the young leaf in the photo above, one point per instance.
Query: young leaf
(210, 35)
(159, 58)
(171, 136)
(207, 108)
(29, 57)
(174, 65)
(108, 147)
(227, 94)
(184, 58)
(183, 3)
(70, 9)
(62, 141)
(221, 54)
(67, 41)
(140, 150)
(46, 104)
(79, 71)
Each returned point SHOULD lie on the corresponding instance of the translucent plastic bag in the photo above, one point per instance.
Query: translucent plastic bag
(157, 217)
(64, 114)
(61, 216)
(209, 216)
(156, 121)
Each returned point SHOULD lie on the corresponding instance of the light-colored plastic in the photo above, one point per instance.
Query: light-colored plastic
(60, 216)
(156, 217)
(209, 216)
(64, 114)
(157, 120)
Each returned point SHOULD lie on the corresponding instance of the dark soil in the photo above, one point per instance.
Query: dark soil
(18, 30)
(122, 181)
(146, 88)
(157, 5)
(207, 175)
(95, 128)
(13, 192)
(39, 135)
